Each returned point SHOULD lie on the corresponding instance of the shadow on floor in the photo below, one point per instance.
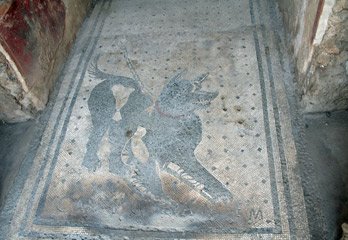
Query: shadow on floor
(15, 141)
(326, 138)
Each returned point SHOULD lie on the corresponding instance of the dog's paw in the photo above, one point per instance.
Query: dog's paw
(92, 166)
(223, 199)
(223, 196)
(120, 169)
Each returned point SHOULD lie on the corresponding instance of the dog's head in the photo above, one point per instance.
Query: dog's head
(181, 97)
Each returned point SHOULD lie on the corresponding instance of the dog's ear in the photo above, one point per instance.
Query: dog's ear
(178, 75)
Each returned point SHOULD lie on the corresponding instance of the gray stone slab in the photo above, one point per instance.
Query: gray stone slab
(172, 122)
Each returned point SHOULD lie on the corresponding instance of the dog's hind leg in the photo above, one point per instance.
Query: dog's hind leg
(147, 180)
(118, 139)
(102, 107)
(91, 160)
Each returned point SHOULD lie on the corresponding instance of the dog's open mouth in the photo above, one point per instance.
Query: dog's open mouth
(204, 98)
(204, 102)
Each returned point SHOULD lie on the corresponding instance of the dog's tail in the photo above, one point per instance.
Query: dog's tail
(95, 72)
(134, 82)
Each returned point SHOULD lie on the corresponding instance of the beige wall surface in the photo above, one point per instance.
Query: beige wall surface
(318, 33)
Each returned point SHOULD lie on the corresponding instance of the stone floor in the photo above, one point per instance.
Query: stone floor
(325, 172)
(171, 119)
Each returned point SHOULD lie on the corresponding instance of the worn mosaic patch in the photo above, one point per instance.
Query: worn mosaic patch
(165, 132)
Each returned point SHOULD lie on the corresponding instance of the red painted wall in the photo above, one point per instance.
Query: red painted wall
(25, 25)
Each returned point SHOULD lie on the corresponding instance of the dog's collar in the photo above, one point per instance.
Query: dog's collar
(165, 114)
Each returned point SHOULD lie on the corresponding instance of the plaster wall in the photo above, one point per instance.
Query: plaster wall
(35, 38)
(318, 31)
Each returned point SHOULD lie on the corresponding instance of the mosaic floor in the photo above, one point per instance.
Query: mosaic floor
(171, 121)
